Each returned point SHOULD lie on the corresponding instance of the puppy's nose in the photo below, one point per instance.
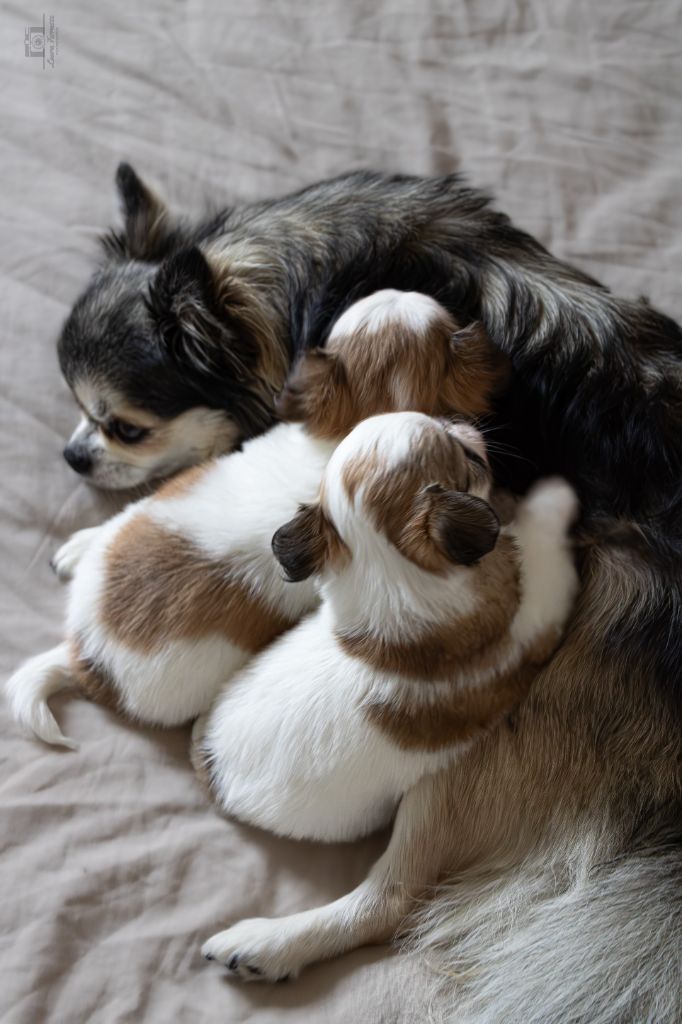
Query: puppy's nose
(78, 459)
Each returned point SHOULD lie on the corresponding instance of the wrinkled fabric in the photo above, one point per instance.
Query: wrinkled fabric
(113, 866)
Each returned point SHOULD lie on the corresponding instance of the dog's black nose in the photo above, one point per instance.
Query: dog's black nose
(78, 459)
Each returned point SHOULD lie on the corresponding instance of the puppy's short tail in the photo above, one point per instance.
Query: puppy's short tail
(30, 687)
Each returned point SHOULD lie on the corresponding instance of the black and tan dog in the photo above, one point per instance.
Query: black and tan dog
(185, 335)
(561, 831)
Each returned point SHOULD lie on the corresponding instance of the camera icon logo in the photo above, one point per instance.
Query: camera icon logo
(34, 42)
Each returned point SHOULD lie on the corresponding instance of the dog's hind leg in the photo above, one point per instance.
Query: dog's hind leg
(68, 556)
(270, 949)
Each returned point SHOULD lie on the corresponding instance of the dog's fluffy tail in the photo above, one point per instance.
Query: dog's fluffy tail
(526, 948)
(30, 687)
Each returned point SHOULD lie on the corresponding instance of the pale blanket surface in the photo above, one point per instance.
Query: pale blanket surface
(114, 867)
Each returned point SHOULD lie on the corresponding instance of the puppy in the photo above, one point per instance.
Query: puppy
(175, 593)
(433, 623)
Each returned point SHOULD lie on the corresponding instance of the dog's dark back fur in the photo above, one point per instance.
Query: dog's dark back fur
(596, 395)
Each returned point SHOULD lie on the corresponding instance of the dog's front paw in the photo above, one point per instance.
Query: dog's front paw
(260, 949)
(64, 562)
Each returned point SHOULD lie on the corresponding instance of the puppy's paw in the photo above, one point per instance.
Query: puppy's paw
(68, 556)
(553, 500)
(259, 949)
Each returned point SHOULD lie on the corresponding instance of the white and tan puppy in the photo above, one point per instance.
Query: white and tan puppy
(175, 593)
(433, 623)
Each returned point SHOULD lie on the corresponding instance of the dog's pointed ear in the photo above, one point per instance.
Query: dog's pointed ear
(317, 393)
(182, 298)
(306, 544)
(147, 228)
(448, 527)
(208, 331)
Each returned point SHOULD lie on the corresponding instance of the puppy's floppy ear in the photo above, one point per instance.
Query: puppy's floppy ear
(464, 527)
(306, 543)
(448, 527)
(477, 371)
(147, 230)
(317, 393)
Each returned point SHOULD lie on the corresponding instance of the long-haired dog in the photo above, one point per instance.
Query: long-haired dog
(173, 595)
(566, 840)
(432, 624)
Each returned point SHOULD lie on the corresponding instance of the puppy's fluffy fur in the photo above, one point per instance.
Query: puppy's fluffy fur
(430, 630)
(172, 595)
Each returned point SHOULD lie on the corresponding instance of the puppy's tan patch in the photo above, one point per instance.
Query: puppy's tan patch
(463, 712)
(476, 372)
(469, 644)
(184, 482)
(93, 680)
(318, 393)
(388, 490)
(160, 587)
(422, 505)
(439, 370)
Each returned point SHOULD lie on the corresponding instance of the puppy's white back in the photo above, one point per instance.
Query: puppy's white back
(292, 748)
(237, 505)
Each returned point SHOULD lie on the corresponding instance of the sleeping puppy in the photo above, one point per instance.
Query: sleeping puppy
(433, 623)
(176, 592)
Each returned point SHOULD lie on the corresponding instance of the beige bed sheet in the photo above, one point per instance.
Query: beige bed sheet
(113, 866)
